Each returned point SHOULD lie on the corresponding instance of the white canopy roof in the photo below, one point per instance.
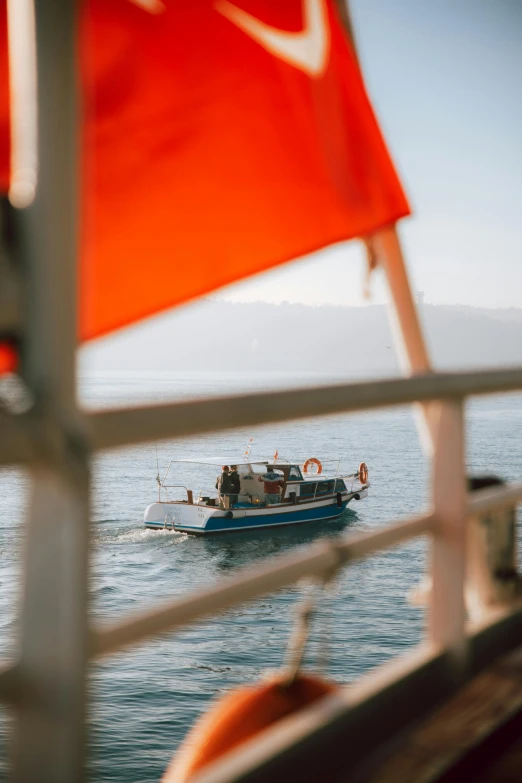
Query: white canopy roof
(219, 461)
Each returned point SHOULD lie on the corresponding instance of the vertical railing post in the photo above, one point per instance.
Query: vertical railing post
(447, 610)
(49, 742)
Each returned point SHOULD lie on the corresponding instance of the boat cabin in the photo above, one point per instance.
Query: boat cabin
(298, 486)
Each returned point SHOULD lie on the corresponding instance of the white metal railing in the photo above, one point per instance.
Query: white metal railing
(445, 523)
(321, 559)
(166, 487)
(26, 436)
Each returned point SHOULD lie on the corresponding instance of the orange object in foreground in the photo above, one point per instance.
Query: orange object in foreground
(219, 139)
(241, 715)
(8, 358)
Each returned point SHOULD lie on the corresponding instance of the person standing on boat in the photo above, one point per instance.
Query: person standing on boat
(235, 485)
(272, 482)
(223, 486)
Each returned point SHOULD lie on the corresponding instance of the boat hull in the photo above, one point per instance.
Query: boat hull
(207, 520)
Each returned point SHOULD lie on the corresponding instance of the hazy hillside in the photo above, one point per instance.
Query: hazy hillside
(216, 335)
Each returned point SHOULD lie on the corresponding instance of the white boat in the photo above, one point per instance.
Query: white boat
(305, 497)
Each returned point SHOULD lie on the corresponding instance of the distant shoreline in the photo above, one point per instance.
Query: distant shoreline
(222, 336)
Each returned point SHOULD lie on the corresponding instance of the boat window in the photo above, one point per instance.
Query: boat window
(294, 473)
(325, 486)
(308, 489)
(340, 486)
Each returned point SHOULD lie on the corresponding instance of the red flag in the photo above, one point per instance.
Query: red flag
(219, 139)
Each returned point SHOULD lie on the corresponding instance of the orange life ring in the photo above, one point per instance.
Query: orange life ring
(239, 716)
(363, 473)
(313, 461)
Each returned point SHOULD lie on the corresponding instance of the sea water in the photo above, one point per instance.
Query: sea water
(143, 700)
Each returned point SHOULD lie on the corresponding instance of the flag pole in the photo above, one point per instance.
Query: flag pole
(406, 327)
(384, 248)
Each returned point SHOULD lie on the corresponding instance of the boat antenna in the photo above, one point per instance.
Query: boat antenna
(248, 448)
(157, 472)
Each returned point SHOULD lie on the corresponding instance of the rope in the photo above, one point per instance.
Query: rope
(305, 616)
(299, 638)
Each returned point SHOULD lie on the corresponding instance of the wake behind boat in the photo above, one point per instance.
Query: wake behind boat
(256, 494)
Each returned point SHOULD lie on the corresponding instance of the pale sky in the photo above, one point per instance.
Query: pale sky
(445, 79)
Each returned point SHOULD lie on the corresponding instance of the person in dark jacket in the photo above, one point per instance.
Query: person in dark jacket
(223, 487)
(235, 485)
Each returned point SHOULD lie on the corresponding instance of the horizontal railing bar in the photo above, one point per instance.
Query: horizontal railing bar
(494, 498)
(124, 426)
(326, 558)
(322, 559)
(28, 433)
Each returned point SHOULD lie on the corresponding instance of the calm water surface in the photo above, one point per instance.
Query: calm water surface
(143, 701)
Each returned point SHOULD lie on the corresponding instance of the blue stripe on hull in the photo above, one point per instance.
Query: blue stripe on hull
(222, 525)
